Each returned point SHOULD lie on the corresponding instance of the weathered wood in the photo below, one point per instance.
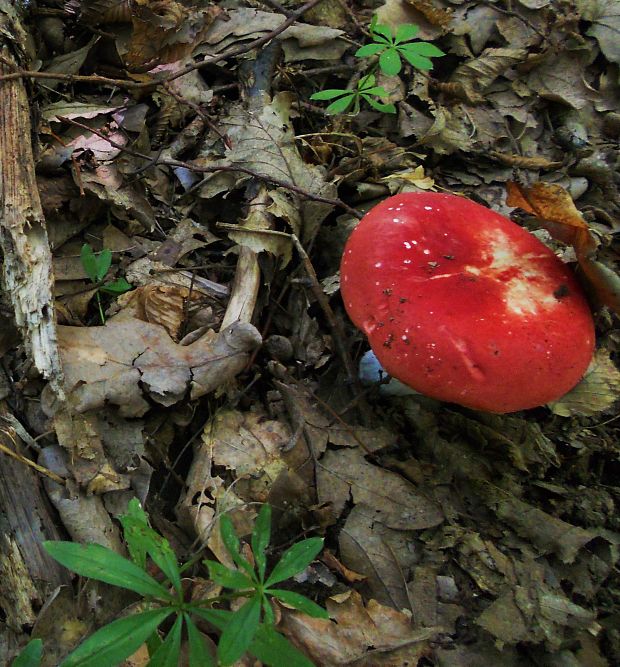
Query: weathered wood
(27, 573)
(27, 263)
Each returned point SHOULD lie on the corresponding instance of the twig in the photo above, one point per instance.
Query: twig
(215, 168)
(333, 322)
(140, 85)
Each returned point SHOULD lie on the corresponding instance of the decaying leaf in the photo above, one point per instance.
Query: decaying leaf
(554, 207)
(357, 634)
(263, 141)
(117, 362)
(395, 502)
(597, 392)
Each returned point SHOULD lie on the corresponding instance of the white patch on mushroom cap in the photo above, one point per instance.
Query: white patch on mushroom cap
(528, 291)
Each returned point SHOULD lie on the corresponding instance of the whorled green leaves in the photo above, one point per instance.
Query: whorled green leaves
(390, 49)
(250, 628)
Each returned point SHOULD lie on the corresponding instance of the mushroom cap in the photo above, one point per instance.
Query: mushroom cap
(464, 305)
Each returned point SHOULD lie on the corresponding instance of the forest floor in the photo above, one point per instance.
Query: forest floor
(196, 204)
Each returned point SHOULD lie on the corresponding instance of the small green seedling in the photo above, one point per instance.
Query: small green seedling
(350, 99)
(390, 49)
(96, 266)
(250, 628)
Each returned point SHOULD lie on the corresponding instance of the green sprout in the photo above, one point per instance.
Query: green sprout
(390, 49)
(346, 99)
(96, 266)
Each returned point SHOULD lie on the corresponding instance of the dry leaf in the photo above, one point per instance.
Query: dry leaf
(555, 209)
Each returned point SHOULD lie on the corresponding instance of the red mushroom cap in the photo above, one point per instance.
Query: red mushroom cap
(464, 305)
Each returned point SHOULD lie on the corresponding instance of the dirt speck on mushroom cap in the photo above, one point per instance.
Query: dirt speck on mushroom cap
(464, 305)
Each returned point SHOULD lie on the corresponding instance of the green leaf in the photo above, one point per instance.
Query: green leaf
(89, 262)
(369, 50)
(167, 655)
(379, 106)
(406, 32)
(329, 94)
(144, 539)
(229, 578)
(118, 286)
(419, 62)
(269, 616)
(366, 82)
(239, 632)
(379, 91)
(267, 645)
(295, 559)
(231, 542)
(261, 536)
(137, 541)
(103, 564)
(153, 643)
(382, 32)
(117, 640)
(104, 262)
(95, 265)
(422, 49)
(271, 648)
(199, 653)
(298, 601)
(341, 105)
(390, 63)
(30, 655)
(219, 617)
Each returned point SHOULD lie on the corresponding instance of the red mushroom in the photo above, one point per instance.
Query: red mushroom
(464, 305)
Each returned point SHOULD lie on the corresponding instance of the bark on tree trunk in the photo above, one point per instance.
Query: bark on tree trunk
(27, 574)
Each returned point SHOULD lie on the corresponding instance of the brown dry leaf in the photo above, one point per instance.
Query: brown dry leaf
(384, 555)
(521, 440)
(254, 449)
(555, 209)
(247, 443)
(395, 12)
(435, 15)
(415, 177)
(604, 16)
(107, 183)
(69, 63)
(334, 564)
(166, 305)
(117, 362)
(395, 501)
(301, 41)
(263, 141)
(476, 75)
(162, 32)
(560, 78)
(535, 613)
(364, 636)
(598, 391)
(546, 532)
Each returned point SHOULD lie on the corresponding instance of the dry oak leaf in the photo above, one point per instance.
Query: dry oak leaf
(126, 359)
(554, 207)
(359, 635)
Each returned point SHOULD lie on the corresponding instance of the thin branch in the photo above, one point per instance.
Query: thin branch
(139, 85)
(215, 168)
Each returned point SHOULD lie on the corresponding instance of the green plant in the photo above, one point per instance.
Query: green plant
(31, 655)
(96, 266)
(249, 628)
(350, 99)
(390, 49)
